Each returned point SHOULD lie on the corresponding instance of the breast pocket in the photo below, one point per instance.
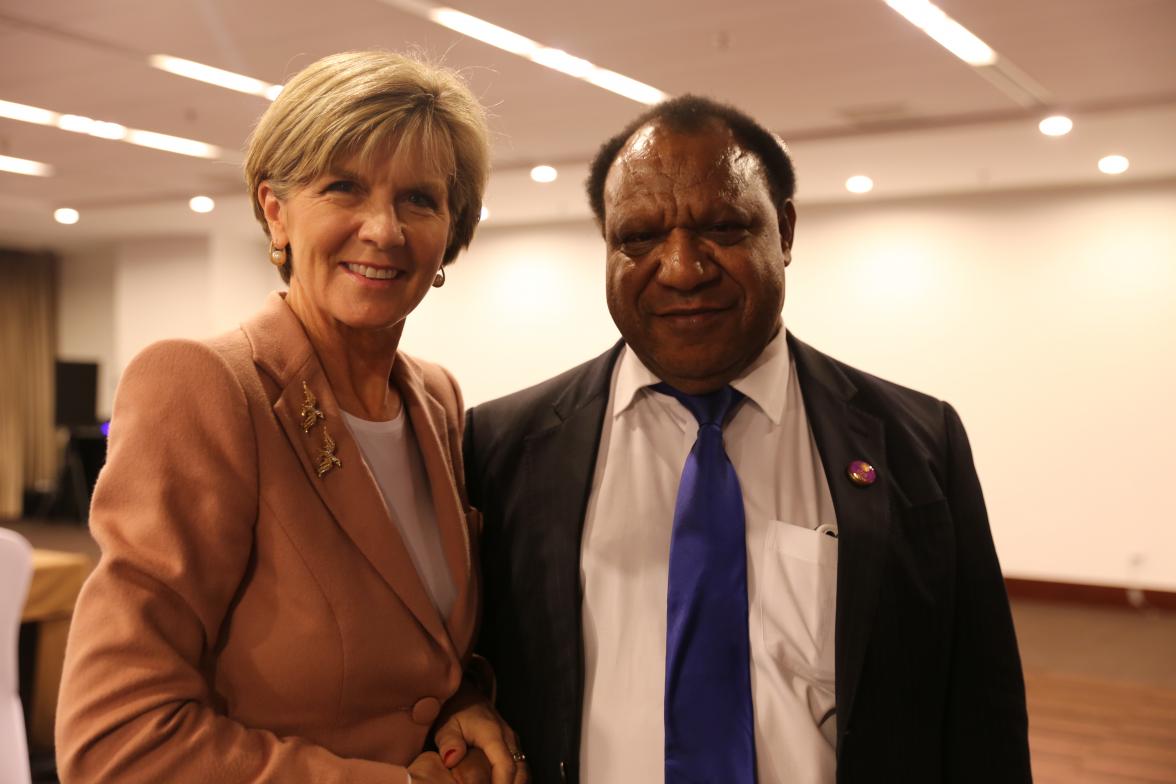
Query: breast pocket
(799, 600)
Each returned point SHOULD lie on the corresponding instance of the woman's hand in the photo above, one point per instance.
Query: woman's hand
(429, 769)
(473, 768)
(476, 723)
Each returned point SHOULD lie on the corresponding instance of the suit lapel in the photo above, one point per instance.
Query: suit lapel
(844, 433)
(560, 462)
(346, 487)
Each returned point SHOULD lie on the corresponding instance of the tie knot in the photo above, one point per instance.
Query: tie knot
(708, 409)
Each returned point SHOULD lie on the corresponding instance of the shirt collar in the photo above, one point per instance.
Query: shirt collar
(764, 382)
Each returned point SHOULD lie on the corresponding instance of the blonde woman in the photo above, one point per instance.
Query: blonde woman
(288, 583)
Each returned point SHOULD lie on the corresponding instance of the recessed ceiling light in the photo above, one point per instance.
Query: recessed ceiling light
(66, 215)
(485, 216)
(23, 166)
(210, 75)
(544, 174)
(547, 56)
(1113, 164)
(201, 204)
(859, 183)
(947, 32)
(1056, 125)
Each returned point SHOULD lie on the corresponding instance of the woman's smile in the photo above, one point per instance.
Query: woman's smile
(370, 274)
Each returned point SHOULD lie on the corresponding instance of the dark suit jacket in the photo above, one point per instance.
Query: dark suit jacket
(928, 679)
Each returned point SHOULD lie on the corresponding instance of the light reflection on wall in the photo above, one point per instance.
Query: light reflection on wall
(530, 288)
(902, 276)
(520, 306)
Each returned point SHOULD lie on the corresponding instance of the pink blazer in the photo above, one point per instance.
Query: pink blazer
(251, 620)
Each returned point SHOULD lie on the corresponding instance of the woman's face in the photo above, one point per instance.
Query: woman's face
(365, 242)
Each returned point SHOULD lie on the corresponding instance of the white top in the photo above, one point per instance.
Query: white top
(791, 575)
(392, 455)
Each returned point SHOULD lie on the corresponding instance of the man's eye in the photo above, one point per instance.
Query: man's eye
(726, 233)
(638, 242)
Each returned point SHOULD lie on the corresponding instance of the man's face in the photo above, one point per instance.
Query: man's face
(696, 254)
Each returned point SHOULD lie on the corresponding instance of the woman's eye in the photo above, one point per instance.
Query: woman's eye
(422, 199)
(340, 186)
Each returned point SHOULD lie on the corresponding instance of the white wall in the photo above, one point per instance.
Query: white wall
(521, 305)
(1049, 321)
(115, 298)
(240, 277)
(161, 290)
(85, 316)
(1047, 318)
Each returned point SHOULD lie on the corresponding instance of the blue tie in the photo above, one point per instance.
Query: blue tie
(710, 731)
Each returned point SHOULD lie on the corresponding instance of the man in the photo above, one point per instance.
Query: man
(797, 584)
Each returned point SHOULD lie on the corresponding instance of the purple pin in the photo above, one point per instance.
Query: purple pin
(862, 473)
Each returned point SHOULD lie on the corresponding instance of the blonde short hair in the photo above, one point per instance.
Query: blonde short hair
(360, 103)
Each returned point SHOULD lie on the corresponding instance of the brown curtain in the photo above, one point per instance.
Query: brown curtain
(28, 447)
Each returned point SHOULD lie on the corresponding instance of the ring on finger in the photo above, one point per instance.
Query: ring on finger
(518, 756)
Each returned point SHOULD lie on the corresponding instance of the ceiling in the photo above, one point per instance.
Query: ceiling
(850, 85)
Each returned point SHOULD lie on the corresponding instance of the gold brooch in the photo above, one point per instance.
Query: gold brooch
(326, 455)
(309, 412)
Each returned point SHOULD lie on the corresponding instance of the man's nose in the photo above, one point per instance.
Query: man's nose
(685, 264)
(381, 226)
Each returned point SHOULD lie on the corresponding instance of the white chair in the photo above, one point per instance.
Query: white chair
(16, 568)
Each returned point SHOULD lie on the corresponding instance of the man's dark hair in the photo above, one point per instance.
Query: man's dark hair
(692, 114)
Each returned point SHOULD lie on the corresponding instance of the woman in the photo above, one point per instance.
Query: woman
(287, 590)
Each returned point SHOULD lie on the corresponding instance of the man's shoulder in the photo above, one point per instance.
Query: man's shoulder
(894, 403)
(535, 405)
(574, 386)
(889, 394)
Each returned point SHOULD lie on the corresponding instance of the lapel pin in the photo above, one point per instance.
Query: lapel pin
(326, 455)
(309, 412)
(862, 473)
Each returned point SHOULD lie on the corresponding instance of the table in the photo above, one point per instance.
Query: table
(57, 579)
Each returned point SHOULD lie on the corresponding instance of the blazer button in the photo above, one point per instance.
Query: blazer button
(425, 711)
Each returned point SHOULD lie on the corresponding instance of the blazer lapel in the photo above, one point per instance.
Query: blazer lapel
(845, 433)
(428, 419)
(344, 484)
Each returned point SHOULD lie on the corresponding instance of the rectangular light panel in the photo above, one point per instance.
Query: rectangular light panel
(947, 32)
(22, 166)
(547, 56)
(77, 123)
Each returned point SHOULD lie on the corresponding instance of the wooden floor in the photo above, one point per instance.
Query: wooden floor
(1101, 685)
(1088, 731)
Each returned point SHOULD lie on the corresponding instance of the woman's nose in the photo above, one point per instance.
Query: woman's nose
(381, 227)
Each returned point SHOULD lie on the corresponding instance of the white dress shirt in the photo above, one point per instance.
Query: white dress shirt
(392, 455)
(791, 575)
